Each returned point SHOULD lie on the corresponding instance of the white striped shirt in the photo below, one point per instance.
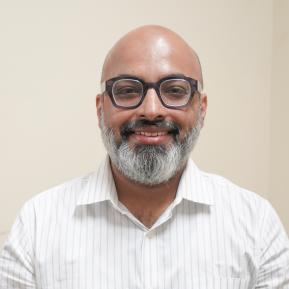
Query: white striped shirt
(215, 235)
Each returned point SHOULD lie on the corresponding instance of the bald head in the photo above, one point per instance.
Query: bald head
(151, 52)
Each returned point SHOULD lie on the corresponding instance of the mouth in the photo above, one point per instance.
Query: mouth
(150, 132)
(151, 135)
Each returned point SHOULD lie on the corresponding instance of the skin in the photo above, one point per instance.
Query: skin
(151, 53)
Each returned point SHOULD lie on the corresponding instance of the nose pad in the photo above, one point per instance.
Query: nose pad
(152, 107)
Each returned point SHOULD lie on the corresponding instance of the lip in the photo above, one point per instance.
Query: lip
(156, 137)
(150, 129)
(151, 134)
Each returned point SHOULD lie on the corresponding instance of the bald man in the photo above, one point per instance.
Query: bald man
(148, 217)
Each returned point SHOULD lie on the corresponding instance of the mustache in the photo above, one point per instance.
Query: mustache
(129, 127)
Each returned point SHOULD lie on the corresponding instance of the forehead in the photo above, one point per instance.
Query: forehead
(151, 59)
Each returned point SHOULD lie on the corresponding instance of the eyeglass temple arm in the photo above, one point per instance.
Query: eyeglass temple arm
(199, 87)
(102, 87)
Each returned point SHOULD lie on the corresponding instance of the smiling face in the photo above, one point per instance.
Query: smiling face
(151, 53)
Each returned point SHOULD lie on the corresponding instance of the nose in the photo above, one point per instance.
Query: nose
(151, 107)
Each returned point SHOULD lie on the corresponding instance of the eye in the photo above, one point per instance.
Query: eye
(175, 90)
(127, 90)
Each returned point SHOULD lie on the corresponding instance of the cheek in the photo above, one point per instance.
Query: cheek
(187, 120)
(109, 113)
(114, 118)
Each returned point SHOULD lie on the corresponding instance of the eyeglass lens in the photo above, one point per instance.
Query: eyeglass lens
(127, 92)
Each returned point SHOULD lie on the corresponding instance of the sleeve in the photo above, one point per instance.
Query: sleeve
(16, 258)
(273, 270)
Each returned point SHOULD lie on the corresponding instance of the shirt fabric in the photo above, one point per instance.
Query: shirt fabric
(215, 235)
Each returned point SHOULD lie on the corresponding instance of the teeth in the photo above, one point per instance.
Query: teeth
(151, 134)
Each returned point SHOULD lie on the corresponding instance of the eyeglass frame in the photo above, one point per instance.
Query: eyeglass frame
(107, 86)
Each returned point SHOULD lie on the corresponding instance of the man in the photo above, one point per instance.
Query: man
(148, 218)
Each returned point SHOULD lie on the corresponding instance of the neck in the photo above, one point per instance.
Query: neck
(146, 203)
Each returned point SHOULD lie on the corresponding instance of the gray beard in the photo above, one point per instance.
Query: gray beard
(150, 164)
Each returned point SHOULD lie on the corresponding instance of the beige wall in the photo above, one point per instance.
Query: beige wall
(51, 56)
(279, 193)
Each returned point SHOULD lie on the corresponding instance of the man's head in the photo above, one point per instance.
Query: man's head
(150, 129)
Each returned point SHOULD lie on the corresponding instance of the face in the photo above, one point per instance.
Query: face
(151, 132)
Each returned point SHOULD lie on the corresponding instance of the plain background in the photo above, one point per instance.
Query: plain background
(50, 62)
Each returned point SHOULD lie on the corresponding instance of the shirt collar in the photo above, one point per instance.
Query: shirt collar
(100, 186)
(194, 185)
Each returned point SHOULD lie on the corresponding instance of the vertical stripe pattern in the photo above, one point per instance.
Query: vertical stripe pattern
(215, 235)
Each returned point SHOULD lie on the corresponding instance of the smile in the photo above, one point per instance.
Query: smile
(150, 134)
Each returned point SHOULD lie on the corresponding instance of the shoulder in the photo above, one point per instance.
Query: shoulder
(225, 189)
(234, 200)
(58, 198)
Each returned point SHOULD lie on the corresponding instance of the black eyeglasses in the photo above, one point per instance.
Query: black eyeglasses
(174, 91)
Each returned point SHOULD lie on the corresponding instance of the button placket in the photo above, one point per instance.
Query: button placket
(148, 249)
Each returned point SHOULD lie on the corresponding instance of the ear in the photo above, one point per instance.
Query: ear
(99, 104)
(203, 105)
